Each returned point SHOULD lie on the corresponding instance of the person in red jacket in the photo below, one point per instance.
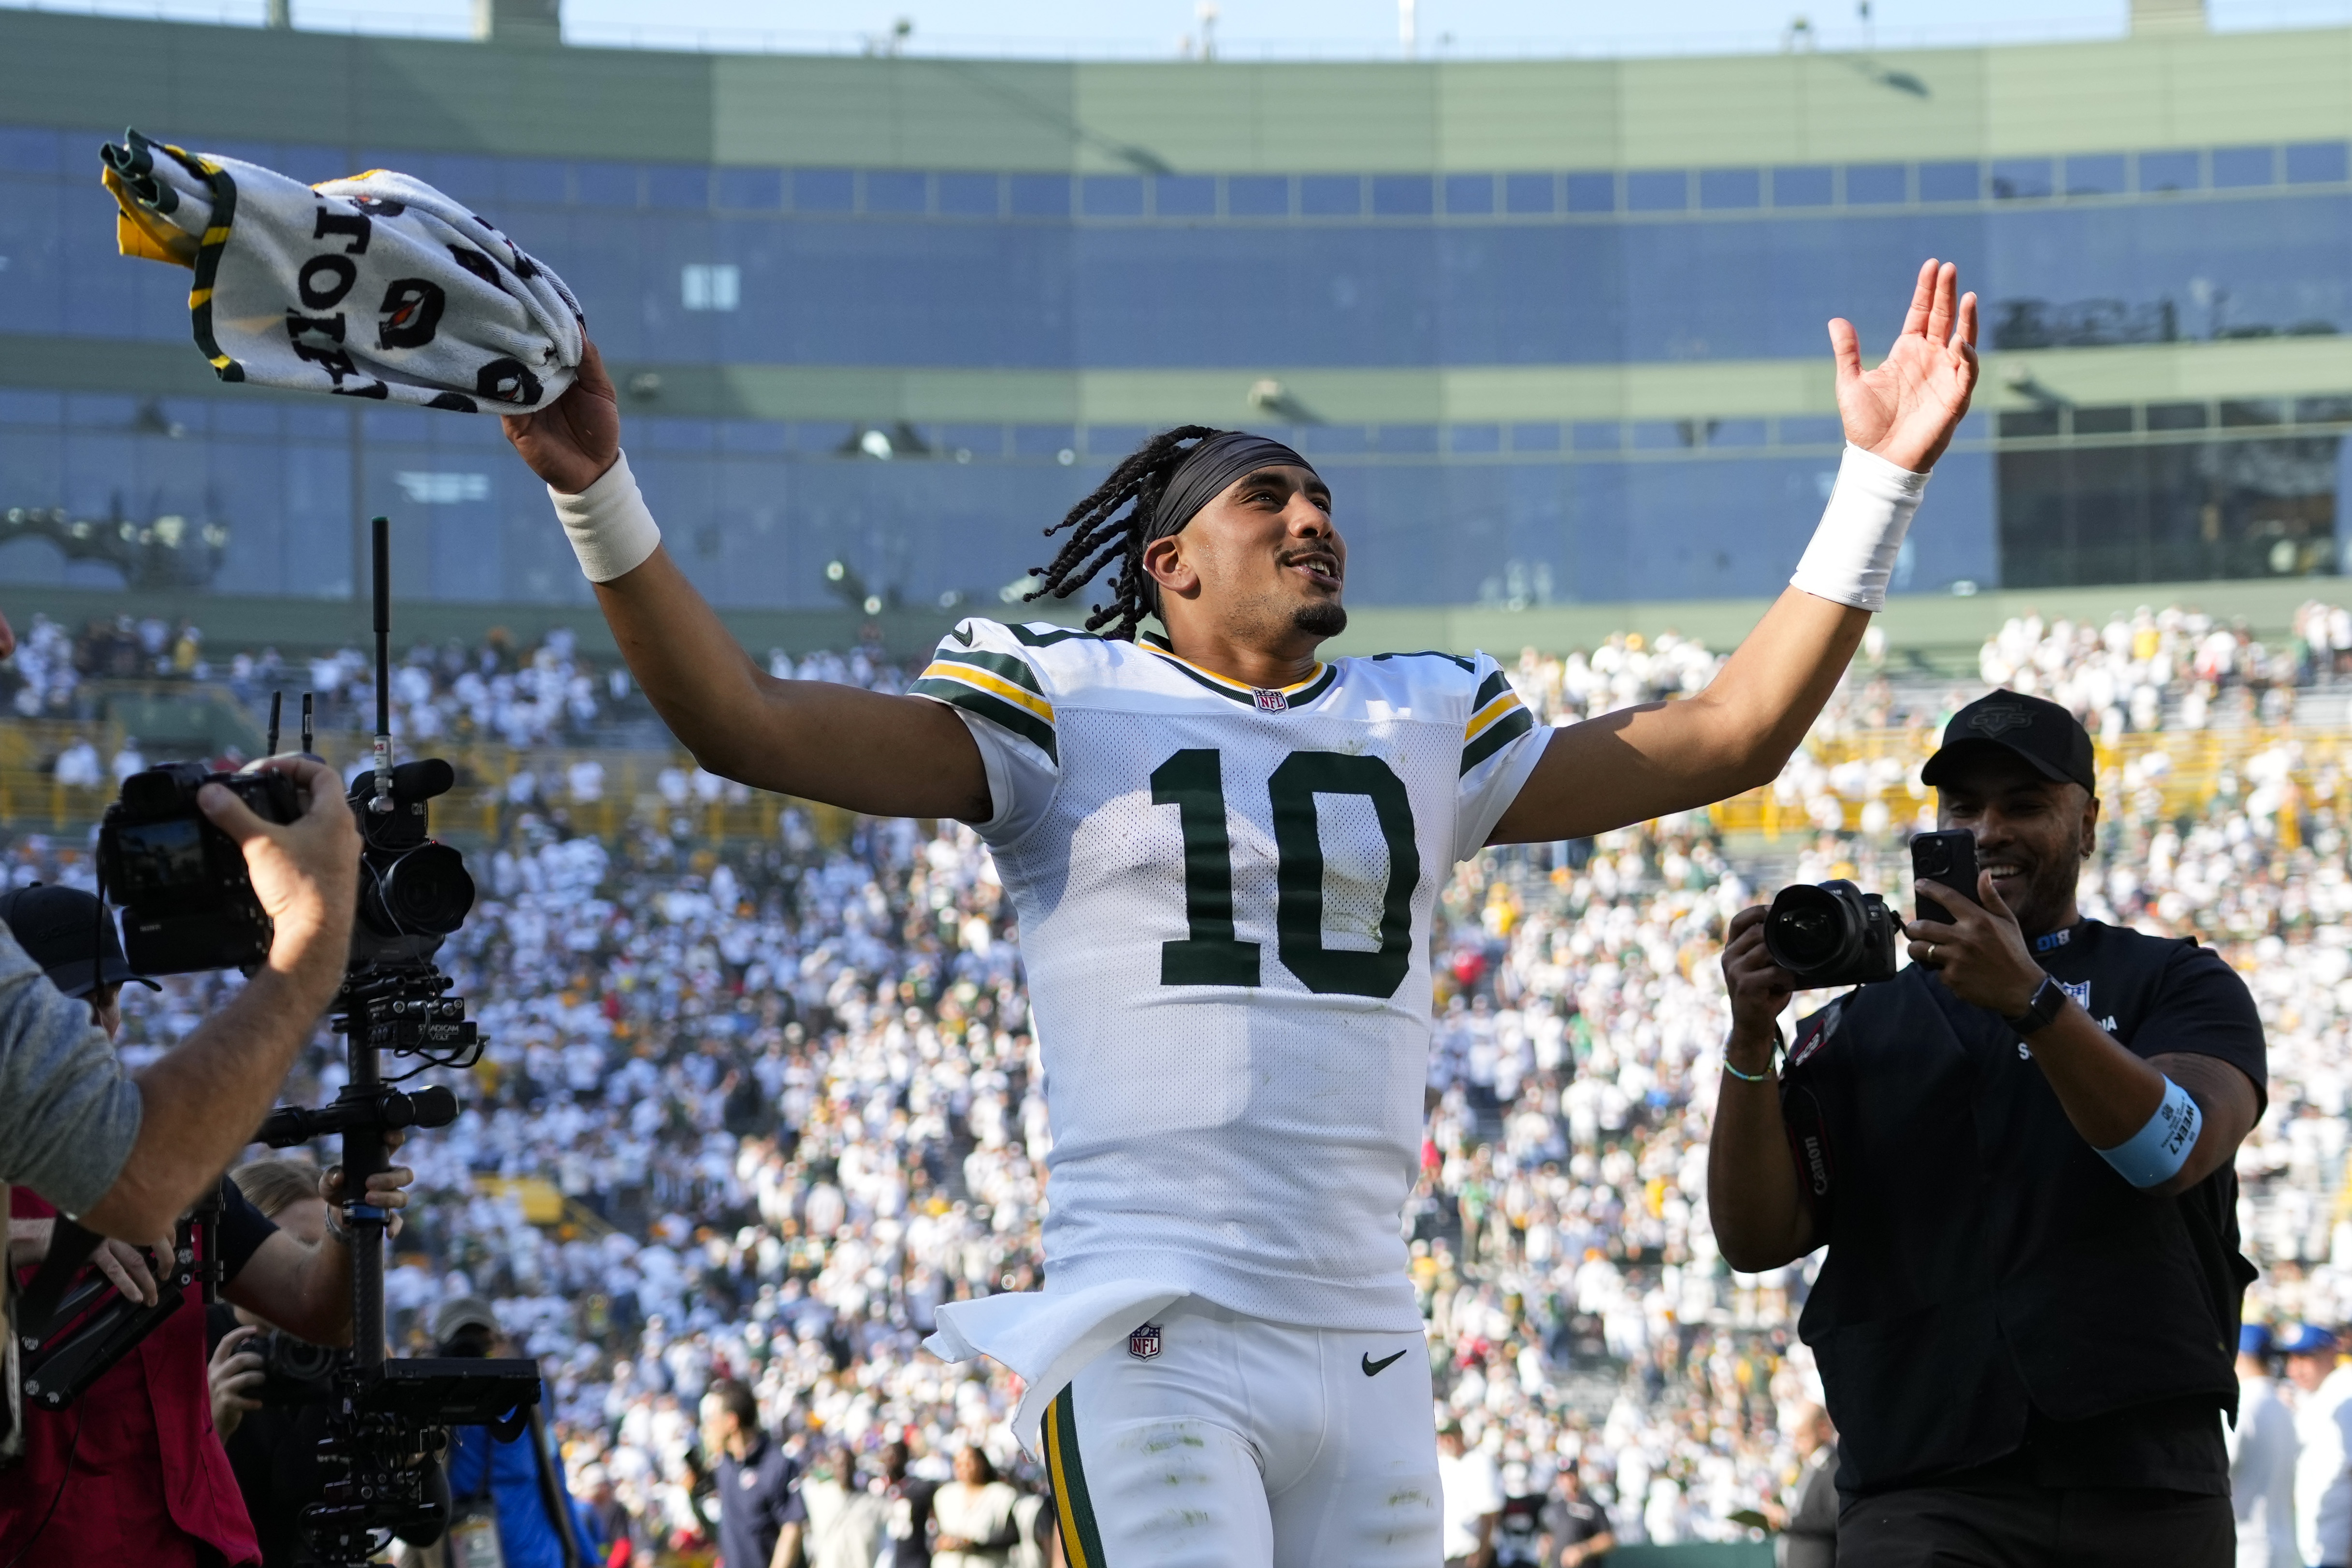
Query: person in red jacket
(134, 1471)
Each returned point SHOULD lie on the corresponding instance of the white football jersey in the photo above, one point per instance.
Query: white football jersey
(1225, 898)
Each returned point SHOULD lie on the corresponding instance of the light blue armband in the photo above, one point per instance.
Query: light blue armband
(2156, 1152)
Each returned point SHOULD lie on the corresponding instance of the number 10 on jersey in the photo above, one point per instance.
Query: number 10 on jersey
(1210, 954)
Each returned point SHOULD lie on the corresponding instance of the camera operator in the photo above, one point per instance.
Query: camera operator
(2019, 1154)
(126, 1155)
(133, 1465)
(271, 1415)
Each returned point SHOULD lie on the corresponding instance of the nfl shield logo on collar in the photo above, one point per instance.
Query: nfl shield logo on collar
(1144, 1343)
(1270, 702)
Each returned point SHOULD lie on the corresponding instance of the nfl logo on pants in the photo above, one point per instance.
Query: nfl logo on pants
(1144, 1343)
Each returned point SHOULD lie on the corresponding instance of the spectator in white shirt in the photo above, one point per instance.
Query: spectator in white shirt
(77, 765)
(1473, 1499)
(2322, 1471)
(2262, 1460)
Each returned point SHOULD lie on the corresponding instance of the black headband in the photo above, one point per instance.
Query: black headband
(1217, 462)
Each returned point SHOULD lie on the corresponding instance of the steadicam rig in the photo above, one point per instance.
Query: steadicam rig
(390, 1421)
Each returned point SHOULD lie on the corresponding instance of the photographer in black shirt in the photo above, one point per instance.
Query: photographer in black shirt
(2019, 1154)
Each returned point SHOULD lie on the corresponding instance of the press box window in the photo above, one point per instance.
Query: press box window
(710, 286)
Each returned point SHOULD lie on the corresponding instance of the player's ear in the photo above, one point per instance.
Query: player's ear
(1163, 560)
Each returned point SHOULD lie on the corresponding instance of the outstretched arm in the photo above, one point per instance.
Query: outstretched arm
(893, 757)
(1643, 762)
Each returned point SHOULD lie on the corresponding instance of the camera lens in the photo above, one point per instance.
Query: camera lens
(1809, 930)
(425, 892)
(299, 1359)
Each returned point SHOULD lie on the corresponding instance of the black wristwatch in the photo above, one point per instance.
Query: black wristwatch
(2049, 1001)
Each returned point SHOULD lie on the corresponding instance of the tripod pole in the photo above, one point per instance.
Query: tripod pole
(364, 1157)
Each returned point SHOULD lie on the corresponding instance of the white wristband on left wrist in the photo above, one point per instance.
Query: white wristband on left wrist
(1853, 550)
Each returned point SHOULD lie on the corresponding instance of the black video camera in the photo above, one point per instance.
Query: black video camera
(1832, 935)
(188, 903)
(414, 891)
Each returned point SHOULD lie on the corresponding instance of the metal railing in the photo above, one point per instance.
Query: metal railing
(483, 805)
(2187, 769)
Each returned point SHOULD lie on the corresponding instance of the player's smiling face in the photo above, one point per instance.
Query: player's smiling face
(2031, 833)
(1264, 558)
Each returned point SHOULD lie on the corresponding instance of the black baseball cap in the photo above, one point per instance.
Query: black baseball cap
(2035, 729)
(64, 930)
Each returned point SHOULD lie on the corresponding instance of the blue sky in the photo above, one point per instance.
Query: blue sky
(1257, 29)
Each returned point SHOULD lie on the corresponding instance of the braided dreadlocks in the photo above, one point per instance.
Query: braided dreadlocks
(1102, 533)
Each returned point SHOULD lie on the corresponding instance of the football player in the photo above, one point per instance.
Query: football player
(1223, 851)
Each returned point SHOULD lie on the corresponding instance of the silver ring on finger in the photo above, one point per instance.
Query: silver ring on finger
(1931, 952)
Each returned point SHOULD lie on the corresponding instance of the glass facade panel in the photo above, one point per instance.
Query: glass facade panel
(2238, 167)
(1040, 195)
(1812, 186)
(1469, 195)
(1403, 196)
(1730, 188)
(824, 190)
(606, 185)
(1258, 196)
(1877, 184)
(897, 191)
(2316, 163)
(1530, 194)
(674, 187)
(1592, 192)
(2160, 171)
(971, 196)
(1330, 195)
(2022, 179)
(2092, 513)
(751, 190)
(1951, 181)
(1111, 197)
(2102, 175)
(1184, 196)
(1657, 189)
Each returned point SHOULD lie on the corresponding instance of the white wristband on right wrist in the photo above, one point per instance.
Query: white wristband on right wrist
(610, 529)
(1860, 533)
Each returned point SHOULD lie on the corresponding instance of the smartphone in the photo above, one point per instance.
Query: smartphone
(1949, 857)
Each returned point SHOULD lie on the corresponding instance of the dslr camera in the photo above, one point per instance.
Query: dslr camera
(1832, 935)
(296, 1372)
(189, 905)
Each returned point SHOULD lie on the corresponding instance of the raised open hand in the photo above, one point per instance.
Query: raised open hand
(575, 439)
(1907, 409)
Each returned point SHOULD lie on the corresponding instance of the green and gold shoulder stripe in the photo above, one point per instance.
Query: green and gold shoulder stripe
(999, 687)
(1498, 718)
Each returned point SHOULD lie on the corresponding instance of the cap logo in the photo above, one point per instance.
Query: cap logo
(1993, 722)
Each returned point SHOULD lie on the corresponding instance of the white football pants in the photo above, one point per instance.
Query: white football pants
(1226, 1441)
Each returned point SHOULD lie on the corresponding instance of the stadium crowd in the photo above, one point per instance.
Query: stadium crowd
(766, 1105)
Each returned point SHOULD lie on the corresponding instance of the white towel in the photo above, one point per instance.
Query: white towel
(377, 286)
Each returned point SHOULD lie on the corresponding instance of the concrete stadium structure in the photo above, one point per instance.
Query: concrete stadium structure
(1553, 328)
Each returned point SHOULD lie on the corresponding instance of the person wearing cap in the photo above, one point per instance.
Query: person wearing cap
(538, 1524)
(2323, 1426)
(2263, 1459)
(2019, 1153)
(137, 1463)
